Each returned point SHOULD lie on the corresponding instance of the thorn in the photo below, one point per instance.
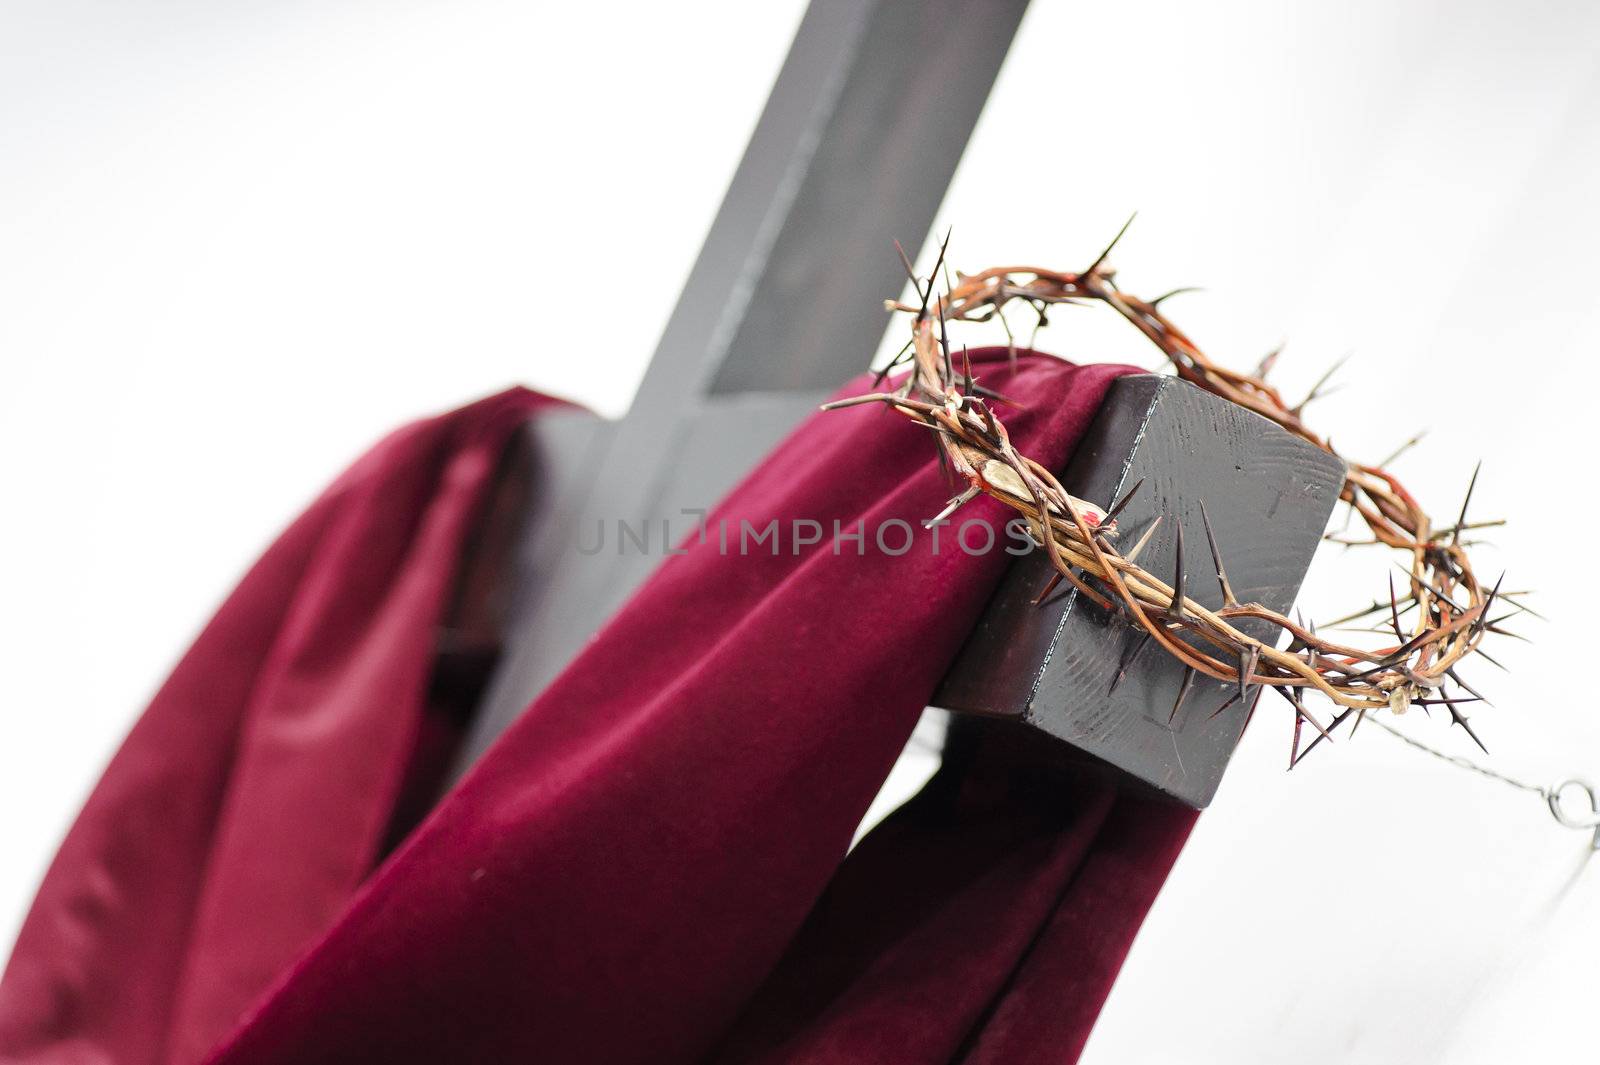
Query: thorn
(1011, 341)
(1216, 556)
(905, 260)
(989, 393)
(1044, 320)
(1116, 508)
(1316, 389)
(1050, 586)
(1145, 539)
(1431, 591)
(1453, 675)
(1097, 263)
(1183, 693)
(1489, 602)
(1177, 576)
(1492, 660)
(1458, 718)
(1175, 292)
(889, 366)
(1394, 612)
(1301, 711)
(1229, 701)
(1128, 660)
(1248, 661)
(944, 346)
(1403, 448)
(1525, 608)
(1337, 721)
(1294, 748)
(928, 294)
(952, 506)
(1455, 534)
(1373, 609)
(1268, 361)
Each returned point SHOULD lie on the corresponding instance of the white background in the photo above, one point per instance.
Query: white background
(239, 241)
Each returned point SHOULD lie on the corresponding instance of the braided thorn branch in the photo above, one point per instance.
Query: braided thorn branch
(1452, 607)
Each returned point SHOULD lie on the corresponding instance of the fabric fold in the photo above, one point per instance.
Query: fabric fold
(647, 866)
(251, 798)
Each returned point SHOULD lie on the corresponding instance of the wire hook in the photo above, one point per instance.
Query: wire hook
(1581, 821)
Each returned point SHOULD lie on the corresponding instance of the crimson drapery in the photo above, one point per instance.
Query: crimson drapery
(647, 866)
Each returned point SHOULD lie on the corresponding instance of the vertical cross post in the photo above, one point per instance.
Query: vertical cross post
(864, 126)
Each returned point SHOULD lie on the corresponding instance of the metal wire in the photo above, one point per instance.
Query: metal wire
(1589, 822)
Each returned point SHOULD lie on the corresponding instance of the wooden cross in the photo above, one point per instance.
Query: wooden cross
(862, 131)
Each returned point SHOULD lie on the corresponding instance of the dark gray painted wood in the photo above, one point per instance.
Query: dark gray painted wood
(1269, 495)
(864, 125)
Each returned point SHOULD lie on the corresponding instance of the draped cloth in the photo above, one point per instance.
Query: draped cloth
(650, 865)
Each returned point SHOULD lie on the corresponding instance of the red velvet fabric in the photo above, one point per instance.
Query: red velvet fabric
(647, 866)
(253, 796)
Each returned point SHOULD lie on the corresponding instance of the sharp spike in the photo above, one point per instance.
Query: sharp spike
(1458, 718)
(944, 346)
(1316, 389)
(1055, 579)
(1101, 260)
(1268, 361)
(1515, 597)
(1183, 693)
(889, 366)
(1294, 748)
(1453, 675)
(1177, 576)
(955, 504)
(1373, 609)
(1128, 659)
(1116, 508)
(1337, 721)
(998, 397)
(937, 263)
(1044, 320)
(1229, 701)
(1403, 448)
(1145, 539)
(1491, 659)
(1175, 292)
(1247, 666)
(1455, 534)
(1411, 600)
(1489, 602)
(1394, 612)
(1216, 556)
(911, 273)
(1300, 710)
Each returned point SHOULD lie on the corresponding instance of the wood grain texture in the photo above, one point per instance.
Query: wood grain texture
(1269, 495)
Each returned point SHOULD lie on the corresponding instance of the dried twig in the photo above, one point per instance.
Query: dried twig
(1412, 668)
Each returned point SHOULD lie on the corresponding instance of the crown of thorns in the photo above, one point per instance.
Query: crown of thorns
(1451, 608)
